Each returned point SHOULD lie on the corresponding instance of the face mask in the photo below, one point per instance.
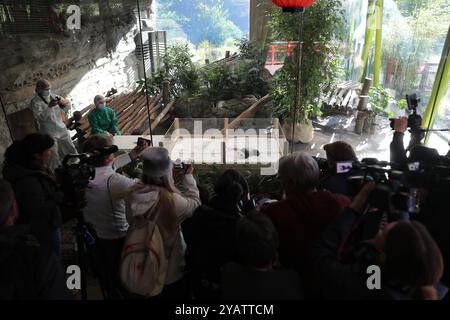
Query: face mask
(102, 106)
(45, 93)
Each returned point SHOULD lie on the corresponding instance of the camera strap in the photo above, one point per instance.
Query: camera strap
(42, 98)
(112, 205)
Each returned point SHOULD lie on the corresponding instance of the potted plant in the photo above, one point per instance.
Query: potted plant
(322, 26)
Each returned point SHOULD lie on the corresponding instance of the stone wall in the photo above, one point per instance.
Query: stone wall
(79, 64)
(72, 63)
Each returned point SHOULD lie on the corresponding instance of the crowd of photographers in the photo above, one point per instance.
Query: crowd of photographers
(337, 219)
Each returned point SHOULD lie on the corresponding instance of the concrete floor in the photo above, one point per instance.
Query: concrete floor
(340, 128)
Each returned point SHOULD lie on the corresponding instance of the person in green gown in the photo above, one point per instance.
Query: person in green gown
(103, 119)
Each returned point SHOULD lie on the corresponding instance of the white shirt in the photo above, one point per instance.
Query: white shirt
(106, 210)
(49, 119)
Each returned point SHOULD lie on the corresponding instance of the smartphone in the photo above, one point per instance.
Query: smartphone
(344, 167)
(141, 142)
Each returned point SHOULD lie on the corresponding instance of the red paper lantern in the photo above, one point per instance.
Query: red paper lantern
(293, 5)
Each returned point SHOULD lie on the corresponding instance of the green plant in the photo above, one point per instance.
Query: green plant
(218, 82)
(381, 99)
(250, 69)
(323, 24)
(249, 50)
(258, 185)
(202, 20)
(178, 69)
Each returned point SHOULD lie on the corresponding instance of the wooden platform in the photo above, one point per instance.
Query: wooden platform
(131, 110)
(343, 99)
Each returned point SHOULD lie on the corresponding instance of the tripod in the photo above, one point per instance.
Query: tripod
(86, 243)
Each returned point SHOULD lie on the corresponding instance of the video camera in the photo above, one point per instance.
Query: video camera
(340, 166)
(73, 176)
(75, 124)
(414, 121)
(76, 171)
(398, 190)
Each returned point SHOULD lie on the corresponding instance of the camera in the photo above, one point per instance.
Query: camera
(73, 177)
(180, 165)
(76, 171)
(323, 165)
(142, 141)
(414, 121)
(57, 100)
(344, 167)
(74, 123)
(398, 190)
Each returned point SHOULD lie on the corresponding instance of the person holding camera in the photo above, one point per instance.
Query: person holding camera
(157, 192)
(340, 159)
(105, 208)
(211, 233)
(46, 108)
(303, 213)
(103, 119)
(409, 261)
(417, 153)
(27, 270)
(38, 195)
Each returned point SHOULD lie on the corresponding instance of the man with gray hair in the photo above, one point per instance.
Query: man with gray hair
(27, 271)
(303, 213)
(46, 108)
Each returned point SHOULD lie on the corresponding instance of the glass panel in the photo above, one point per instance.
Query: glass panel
(211, 27)
(440, 140)
(413, 35)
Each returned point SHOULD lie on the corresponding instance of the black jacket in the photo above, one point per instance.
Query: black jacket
(210, 236)
(38, 198)
(28, 271)
(398, 151)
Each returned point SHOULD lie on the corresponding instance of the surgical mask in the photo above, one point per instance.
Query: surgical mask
(102, 106)
(45, 93)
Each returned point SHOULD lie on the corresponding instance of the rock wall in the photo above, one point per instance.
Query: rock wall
(72, 63)
(79, 63)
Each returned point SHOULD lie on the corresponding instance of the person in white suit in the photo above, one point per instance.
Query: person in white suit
(46, 108)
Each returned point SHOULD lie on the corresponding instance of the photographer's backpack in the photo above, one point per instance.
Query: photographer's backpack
(143, 266)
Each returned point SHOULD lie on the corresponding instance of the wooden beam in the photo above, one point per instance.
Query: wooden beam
(162, 114)
(250, 111)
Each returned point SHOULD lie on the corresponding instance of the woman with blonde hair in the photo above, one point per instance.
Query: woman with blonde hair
(157, 193)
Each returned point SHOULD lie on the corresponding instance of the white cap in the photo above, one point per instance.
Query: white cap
(157, 162)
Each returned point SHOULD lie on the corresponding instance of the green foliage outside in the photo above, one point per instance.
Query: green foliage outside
(178, 69)
(202, 20)
(323, 23)
(217, 81)
(381, 99)
(410, 38)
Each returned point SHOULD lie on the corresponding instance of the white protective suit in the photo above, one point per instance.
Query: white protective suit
(51, 123)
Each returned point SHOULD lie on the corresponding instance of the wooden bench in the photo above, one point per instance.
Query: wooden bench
(132, 114)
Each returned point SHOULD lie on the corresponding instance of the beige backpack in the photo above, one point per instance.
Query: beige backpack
(143, 266)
